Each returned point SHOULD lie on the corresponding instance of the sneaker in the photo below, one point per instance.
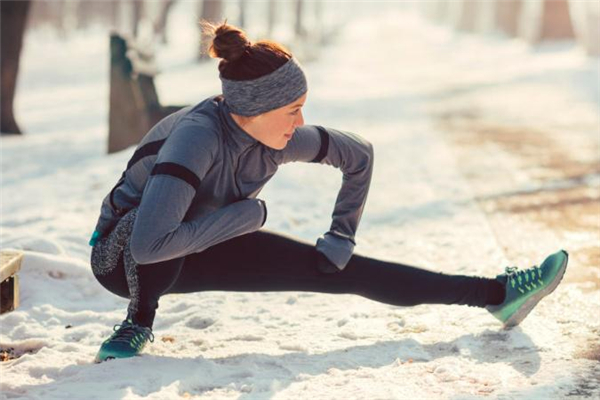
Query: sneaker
(525, 288)
(128, 341)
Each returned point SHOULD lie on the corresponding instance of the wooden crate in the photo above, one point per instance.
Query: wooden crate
(10, 264)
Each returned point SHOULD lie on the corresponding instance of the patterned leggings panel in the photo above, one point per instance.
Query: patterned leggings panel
(112, 256)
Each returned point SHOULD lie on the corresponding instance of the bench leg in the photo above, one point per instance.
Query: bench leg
(9, 294)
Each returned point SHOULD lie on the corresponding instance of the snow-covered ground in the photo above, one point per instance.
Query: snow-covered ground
(381, 78)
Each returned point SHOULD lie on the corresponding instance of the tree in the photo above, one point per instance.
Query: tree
(212, 10)
(243, 14)
(271, 17)
(299, 23)
(160, 24)
(12, 29)
(138, 9)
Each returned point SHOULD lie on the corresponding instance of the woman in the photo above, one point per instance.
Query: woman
(184, 217)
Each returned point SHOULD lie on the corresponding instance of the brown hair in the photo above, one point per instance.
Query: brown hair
(241, 59)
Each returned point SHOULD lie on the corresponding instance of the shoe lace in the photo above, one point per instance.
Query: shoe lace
(524, 280)
(128, 333)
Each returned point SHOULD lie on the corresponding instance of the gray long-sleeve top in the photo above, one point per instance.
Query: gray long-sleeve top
(195, 176)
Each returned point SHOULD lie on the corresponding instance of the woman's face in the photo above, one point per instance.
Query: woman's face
(276, 127)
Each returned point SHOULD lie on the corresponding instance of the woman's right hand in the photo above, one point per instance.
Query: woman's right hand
(324, 265)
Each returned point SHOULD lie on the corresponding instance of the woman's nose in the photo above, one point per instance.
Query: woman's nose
(299, 120)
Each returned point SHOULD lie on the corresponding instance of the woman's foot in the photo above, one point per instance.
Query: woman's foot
(525, 288)
(127, 341)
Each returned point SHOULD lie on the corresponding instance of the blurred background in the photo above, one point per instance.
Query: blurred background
(304, 26)
(485, 121)
(509, 87)
(509, 80)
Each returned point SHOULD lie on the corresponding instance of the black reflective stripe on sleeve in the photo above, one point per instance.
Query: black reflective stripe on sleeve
(112, 193)
(324, 145)
(264, 205)
(178, 171)
(149, 149)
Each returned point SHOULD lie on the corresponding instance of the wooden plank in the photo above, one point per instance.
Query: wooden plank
(10, 263)
(9, 294)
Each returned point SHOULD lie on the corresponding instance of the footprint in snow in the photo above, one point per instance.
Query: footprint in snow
(199, 323)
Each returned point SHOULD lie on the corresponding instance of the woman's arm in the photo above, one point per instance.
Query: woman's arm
(159, 232)
(353, 155)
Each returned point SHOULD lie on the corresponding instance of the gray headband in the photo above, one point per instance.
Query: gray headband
(252, 97)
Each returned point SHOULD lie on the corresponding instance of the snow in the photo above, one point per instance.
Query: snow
(384, 78)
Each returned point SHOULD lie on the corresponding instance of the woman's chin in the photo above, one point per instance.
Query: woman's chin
(278, 146)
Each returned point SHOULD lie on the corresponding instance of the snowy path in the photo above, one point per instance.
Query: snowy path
(281, 345)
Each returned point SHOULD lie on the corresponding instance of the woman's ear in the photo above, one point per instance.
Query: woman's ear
(243, 121)
(255, 118)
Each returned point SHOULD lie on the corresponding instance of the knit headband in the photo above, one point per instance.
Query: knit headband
(252, 97)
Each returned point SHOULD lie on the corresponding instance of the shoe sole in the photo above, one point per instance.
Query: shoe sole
(97, 361)
(532, 302)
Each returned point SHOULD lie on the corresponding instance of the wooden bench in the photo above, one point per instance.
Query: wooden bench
(10, 264)
(134, 104)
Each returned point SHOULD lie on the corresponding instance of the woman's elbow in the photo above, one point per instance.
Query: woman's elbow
(369, 154)
(370, 151)
(141, 250)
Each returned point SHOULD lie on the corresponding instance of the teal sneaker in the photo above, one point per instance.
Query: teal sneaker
(525, 288)
(128, 341)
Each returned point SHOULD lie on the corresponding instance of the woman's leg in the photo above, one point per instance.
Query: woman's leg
(114, 268)
(147, 282)
(107, 257)
(267, 261)
(143, 286)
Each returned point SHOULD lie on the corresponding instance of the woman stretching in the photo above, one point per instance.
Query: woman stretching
(184, 216)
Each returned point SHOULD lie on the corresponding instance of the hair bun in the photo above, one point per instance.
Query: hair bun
(229, 42)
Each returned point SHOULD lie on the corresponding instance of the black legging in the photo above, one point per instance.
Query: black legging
(268, 261)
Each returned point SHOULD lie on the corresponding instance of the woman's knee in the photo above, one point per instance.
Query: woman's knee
(116, 286)
(108, 269)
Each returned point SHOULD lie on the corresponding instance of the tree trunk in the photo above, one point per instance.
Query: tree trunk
(319, 21)
(271, 17)
(212, 11)
(543, 20)
(557, 23)
(138, 6)
(124, 124)
(160, 27)
(243, 13)
(12, 29)
(299, 26)
(507, 16)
